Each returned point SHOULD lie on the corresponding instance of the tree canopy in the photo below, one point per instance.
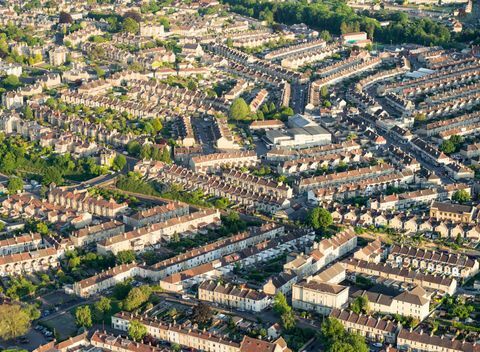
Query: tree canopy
(136, 297)
(15, 321)
(360, 305)
(14, 185)
(136, 330)
(461, 196)
(83, 316)
(239, 110)
(337, 339)
(337, 18)
(202, 313)
(319, 218)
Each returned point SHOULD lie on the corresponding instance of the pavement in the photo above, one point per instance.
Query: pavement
(299, 94)
(33, 339)
(204, 131)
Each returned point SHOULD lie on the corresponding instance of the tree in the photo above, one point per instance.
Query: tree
(288, 320)
(103, 306)
(332, 330)
(9, 163)
(146, 152)
(136, 330)
(131, 26)
(133, 148)
(11, 82)
(420, 117)
(360, 305)
(325, 35)
(65, 17)
(165, 157)
(14, 185)
(52, 175)
(201, 313)
(176, 347)
(14, 321)
(239, 110)
(28, 113)
(280, 304)
(42, 228)
(136, 297)
(448, 147)
(83, 316)
(461, 196)
(74, 262)
(319, 218)
(119, 162)
(157, 124)
(125, 257)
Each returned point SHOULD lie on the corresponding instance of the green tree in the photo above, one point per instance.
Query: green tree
(103, 306)
(83, 316)
(462, 311)
(420, 117)
(136, 297)
(136, 330)
(239, 110)
(325, 35)
(157, 124)
(133, 148)
(14, 185)
(125, 257)
(338, 339)
(119, 162)
(146, 152)
(319, 218)
(74, 262)
(360, 305)
(461, 196)
(28, 113)
(15, 321)
(288, 320)
(131, 26)
(8, 163)
(448, 147)
(52, 175)
(42, 228)
(165, 157)
(11, 82)
(280, 304)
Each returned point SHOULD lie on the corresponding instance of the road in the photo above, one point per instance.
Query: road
(298, 98)
(204, 133)
(406, 147)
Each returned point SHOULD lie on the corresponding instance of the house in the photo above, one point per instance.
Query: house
(319, 296)
(232, 296)
(449, 264)
(374, 329)
(420, 341)
(414, 303)
(282, 282)
(452, 212)
(194, 338)
(81, 200)
(105, 280)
